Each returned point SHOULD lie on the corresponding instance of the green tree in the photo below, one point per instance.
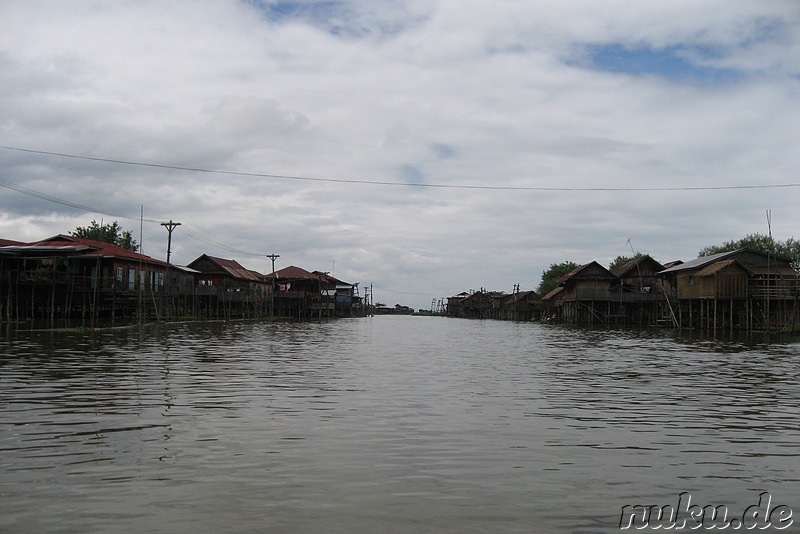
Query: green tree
(552, 274)
(761, 243)
(107, 233)
(622, 260)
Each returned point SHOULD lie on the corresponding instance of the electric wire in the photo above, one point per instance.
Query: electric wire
(198, 236)
(183, 229)
(399, 184)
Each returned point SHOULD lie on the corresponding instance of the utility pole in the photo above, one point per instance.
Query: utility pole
(170, 226)
(272, 294)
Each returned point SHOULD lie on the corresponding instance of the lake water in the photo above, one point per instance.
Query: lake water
(390, 424)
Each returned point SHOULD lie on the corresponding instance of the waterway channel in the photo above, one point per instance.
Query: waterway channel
(391, 424)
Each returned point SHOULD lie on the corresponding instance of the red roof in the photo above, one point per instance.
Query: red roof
(294, 273)
(231, 267)
(92, 248)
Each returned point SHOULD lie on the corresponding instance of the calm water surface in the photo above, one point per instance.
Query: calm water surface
(387, 424)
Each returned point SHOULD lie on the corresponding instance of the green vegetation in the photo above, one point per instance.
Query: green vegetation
(762, 243)
(552, 274)
(107, 233)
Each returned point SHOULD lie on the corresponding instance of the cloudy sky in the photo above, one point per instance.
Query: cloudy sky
(425, 147)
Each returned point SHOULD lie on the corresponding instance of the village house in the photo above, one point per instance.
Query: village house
(341, 297)
(301, 293)
(639, 293)
(298, 293)
(470, 305)
(583, 296)
(453, 308)
(225, 288)
(67, 277)
(740, 289)
(518, 306)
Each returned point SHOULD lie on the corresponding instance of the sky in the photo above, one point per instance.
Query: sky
(420, 147)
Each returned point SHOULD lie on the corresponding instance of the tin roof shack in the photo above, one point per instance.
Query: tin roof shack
(518, 306)
(639, 294)
(586, 298)
(69, 277)
(226, 289)
(740, 289)
(302, 294)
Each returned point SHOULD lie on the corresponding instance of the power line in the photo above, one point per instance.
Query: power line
(401, 184)
(56, 200)
(185, 230)
(197, 236)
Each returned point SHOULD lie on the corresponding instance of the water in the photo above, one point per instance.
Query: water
(387, 424)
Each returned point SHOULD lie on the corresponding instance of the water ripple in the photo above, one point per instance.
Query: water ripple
(391, 424)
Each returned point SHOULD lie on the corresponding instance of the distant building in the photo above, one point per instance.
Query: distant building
(301, 293)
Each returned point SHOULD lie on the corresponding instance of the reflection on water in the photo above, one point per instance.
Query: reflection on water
(387, 424)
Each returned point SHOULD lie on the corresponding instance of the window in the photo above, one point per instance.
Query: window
(156, 280)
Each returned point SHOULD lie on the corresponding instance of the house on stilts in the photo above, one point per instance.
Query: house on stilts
(741, 289)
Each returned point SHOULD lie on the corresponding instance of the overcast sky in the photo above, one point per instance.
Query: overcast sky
(425, 147)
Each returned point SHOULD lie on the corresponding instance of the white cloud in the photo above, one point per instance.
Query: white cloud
(446, 93)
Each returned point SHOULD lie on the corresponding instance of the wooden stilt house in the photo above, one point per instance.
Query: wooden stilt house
(740, 289)
(637, 294)
(224, 288)
(300, 293)
(68, 277)
(586, 295)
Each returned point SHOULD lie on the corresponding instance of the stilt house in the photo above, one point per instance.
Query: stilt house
(743, 289)
(70, 277)
(226, 288)
(586, 294)
(638, 293)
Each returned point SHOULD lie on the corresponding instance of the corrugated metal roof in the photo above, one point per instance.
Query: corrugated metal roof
(88, 247)
(233, 268)
(699, 262)
(293, 273)
(673, 263)
(702, 261)
(185, 269)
